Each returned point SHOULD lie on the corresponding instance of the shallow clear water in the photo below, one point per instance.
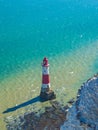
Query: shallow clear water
(64, 31)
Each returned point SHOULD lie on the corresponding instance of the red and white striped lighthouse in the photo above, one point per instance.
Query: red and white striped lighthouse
(45, 76)
(46, 93)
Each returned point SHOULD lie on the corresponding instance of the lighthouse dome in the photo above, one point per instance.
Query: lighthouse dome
(45, 62)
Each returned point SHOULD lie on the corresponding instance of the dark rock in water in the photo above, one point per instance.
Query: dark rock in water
(49, 109)
(78, 96)
(71, 101)
(79, 91)
(55, 104)
(66, 107)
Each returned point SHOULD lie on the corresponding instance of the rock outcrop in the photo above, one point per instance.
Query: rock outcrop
(84, 113)
(53, 117)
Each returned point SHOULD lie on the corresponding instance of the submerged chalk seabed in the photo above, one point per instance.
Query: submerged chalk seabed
(64, 31)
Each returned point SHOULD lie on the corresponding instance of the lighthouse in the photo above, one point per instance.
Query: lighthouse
(46, 92)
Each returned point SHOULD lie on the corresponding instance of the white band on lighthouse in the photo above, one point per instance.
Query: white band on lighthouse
(45, 70)
(45, 87)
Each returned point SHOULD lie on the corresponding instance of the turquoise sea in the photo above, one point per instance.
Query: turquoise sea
(65, 31)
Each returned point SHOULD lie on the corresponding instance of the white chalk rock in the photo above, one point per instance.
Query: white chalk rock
(85, 109)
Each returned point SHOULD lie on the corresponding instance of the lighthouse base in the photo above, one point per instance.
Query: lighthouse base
(47, 95)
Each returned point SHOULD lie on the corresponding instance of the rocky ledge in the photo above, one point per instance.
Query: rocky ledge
(83, 115)
(53, 117)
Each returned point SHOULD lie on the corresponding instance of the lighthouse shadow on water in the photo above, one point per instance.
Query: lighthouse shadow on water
(34, 100)
(24, 104)
(45, 94)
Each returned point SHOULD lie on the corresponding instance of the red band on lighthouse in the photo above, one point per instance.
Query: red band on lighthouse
(45, 79)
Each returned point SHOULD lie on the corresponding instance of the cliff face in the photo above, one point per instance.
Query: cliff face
(84, 113)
